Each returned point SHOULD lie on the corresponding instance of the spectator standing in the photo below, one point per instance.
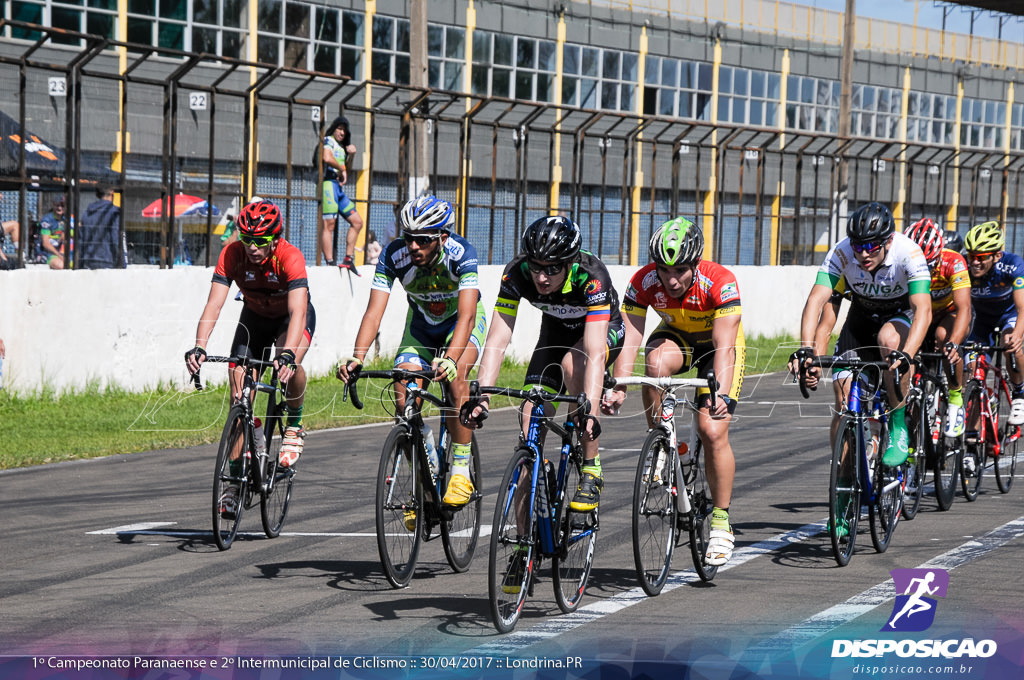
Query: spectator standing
(337, 152)
(97, 241)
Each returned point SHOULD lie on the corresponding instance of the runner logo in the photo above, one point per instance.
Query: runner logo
(914, 610)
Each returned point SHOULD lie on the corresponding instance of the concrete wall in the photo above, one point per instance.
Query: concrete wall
(131, 328)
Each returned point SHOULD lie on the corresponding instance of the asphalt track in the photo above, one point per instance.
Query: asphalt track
(114, 556)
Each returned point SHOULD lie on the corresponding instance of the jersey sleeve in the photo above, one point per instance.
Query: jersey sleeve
(831, 271)
(636, 300)
(956, 273)
(224, 271)
(598, 293)
(919, 276)
(293, 268)
(725, 295)
(509, 294)
(385, 274)
(466, 264)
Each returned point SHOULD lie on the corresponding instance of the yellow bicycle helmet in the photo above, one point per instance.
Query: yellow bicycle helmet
(987, 237)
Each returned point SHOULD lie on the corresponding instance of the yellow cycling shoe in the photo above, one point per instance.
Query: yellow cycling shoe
(410, 519)
(459, 491)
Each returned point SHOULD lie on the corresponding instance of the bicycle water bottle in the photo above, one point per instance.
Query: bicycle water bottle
(686, 462)
(431, 449)
(871, 437)
(261, 439)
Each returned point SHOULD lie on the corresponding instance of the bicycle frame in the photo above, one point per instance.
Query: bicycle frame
(989, 425)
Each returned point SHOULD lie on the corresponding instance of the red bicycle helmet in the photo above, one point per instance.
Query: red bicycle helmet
(925, 234)
(259, 219)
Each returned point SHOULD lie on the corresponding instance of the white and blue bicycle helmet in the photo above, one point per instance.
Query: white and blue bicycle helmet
(427, 215)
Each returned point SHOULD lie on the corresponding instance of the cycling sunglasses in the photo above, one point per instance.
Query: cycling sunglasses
(867, 247)
(420, 239)
(981, 257)
(547, 269)
(258, 241)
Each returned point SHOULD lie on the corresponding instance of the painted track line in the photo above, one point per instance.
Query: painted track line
(519, 640)
(828, 620)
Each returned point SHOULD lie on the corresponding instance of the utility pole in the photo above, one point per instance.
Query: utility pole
(845, 110)
(418, 171)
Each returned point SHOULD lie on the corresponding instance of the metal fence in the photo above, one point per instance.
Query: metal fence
(159, 124)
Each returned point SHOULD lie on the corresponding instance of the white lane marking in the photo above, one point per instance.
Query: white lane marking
(828, 620)
(153, 529)
(519, 640)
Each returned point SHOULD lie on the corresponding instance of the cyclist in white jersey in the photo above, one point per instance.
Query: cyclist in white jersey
(887, 276)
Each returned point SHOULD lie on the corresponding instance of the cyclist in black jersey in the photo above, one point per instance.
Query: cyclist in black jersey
(581, 331)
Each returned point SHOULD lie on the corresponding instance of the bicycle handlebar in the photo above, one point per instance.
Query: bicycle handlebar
(670, 383)
(243, 361)
(393, 375)
(829, 361)
(534, 395)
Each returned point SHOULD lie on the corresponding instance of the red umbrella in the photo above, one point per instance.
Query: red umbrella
(184, 205)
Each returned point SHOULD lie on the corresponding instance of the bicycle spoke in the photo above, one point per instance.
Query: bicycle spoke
(398, 510)
(512, 545)
(654, 513)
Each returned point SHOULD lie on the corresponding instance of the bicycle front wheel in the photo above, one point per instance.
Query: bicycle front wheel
(277, 481)
(654, 512)
(461, 533)
(231, 478)
(972, 463)
(915, 468)
(574, 543)
(844, 492)
(701, 505)
(512, 550)
(398, 508)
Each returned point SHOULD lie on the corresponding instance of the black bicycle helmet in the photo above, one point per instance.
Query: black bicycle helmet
(954, 241)
(552, 239)
(870, 223)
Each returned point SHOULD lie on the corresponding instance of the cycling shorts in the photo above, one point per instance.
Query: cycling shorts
(702, 357)
(858, 340)
(335, 200)
(255, 335)
(554, 343)
(423, 342)
(983, 331)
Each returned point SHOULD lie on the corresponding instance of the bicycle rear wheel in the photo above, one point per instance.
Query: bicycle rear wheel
(398, 508)
(701, 506)
(972, 463)
(276, 494)
(1006, 463)
(654, 512)
(944, 454)
(884, 511)
(231, 478)
(461, 533)
(844, 492)
(513, 544)
(576, 536)
(915, 468)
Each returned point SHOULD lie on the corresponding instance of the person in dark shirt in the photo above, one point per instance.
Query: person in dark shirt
(97, 236)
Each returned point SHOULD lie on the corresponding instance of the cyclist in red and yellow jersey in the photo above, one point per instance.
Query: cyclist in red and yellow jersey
(699, 303)
(951, 310)
(271, 274)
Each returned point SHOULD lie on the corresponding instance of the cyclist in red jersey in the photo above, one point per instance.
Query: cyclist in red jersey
(271, 274)
(951, 310)
(699, 303)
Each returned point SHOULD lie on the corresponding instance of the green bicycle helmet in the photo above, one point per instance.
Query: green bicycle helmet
(987, 237)
(677, 242)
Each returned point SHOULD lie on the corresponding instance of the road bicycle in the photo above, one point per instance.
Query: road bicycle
(408, 505)
(989, 434)
(670, 495)
(247, 467)
(857, 474)
(927, 413)
(532, 518)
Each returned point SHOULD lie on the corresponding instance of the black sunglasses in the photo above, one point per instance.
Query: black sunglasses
(548, 269)
(420, 239)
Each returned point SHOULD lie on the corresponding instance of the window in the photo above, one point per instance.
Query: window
(579, 76)
(390, 59)
(811, 103)
(983, 123)
(446, 54)
(930, 118)
(513, 66)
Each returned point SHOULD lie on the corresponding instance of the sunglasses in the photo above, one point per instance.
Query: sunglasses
(547, 269)
(981, 257)
(868, 247)
(258, 241)
(420, 239)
